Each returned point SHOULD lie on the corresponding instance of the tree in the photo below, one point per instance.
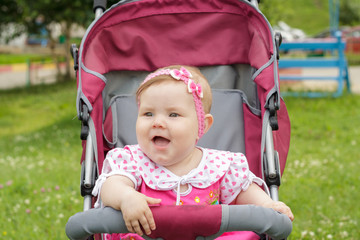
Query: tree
(349, 13)
(10, 13)
(37, 15)
(275, 10)
(32, 16)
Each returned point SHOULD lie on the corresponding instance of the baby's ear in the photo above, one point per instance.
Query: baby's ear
(209, 119)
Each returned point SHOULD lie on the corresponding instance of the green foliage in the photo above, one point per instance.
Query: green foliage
(350, 12)
(9, 11)
(312, 16)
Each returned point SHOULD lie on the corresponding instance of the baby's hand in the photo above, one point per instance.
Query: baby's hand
(280, 207)
(137, 214)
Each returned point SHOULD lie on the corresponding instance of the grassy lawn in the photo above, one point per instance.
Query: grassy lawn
(23, 58)
(321, 176)
(40, 152)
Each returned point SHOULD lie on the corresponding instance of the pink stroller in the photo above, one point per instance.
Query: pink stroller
(234, 46)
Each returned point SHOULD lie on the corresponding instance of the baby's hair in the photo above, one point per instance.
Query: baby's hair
(197, 77)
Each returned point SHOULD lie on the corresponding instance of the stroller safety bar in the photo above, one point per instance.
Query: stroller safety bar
(200, 219)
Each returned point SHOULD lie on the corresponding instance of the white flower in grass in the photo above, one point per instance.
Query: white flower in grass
(304, 233)
(27, 201)
(30, 166)
(41, 163)
(329, 236)
(31, 148)
(47, 199)
(16, 208)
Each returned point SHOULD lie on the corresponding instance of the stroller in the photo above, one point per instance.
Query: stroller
(235, 48)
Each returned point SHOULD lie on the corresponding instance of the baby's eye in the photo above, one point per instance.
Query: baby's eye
(148, 114)
(173, 115)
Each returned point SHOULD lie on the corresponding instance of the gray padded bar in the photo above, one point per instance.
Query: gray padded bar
(259, 220)
(235, 218)
(99, 220)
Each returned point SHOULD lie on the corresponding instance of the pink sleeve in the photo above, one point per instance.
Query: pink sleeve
(238, 178)
(118, 161)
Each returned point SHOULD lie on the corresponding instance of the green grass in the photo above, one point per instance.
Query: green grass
(321, 176)
(7, 58)
(40, 152)
(353, 59)
(312, 16)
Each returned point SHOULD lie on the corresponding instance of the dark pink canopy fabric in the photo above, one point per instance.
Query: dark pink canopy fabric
(145, 35)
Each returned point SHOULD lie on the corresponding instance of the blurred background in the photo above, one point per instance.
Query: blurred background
(32, 33)
(40, 145)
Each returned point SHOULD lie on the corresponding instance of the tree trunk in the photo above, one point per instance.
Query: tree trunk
(52, 46)
(68, 58)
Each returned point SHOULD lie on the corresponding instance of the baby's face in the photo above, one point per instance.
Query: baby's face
(167, 124)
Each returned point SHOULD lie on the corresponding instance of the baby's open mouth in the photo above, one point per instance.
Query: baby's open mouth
(160, 141)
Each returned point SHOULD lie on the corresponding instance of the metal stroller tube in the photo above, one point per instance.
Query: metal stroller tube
(271, 163)
(233, 218)
(255, 3)
(99, 7)
(88, 174)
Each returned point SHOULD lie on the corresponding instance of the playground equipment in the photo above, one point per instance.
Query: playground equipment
(335, 45)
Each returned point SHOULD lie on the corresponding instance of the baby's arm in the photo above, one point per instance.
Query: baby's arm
(119, 193)
(255, 195)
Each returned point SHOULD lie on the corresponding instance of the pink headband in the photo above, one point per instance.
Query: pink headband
(184, 75)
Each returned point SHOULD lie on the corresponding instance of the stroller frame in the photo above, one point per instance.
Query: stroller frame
(272, 163)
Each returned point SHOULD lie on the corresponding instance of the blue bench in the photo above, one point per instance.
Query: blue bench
(336, 46)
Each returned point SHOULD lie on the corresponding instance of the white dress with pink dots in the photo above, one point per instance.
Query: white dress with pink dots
(219, 177)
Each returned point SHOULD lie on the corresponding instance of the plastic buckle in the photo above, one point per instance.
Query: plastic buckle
(278, 41)
(75, 54)
(274, 179)
(273, 107)
(84, 118)
(87, 190)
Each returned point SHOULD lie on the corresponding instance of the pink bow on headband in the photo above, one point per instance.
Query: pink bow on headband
(184, 75)
(193, 87)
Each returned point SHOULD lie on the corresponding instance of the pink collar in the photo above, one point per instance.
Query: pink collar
(184, 75)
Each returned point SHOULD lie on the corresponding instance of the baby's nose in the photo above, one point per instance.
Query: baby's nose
(159, 122)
